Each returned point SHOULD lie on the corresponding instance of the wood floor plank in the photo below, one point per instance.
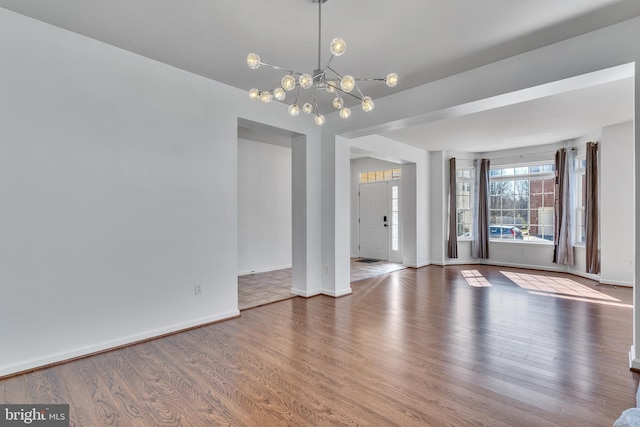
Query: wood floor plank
(85, 411)
(156, 410)
(416, 347)
(14, 390)
(197, 407)
(126, 403)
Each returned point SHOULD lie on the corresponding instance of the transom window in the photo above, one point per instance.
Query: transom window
(521, 202)
(384, 175)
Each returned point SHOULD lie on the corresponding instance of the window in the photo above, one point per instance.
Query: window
(581, 197)
(384, 175)
(464, 192)
(521, 202)
(395, 220)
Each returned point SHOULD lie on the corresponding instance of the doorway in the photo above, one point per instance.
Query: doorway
(379, 220)
(374, 221)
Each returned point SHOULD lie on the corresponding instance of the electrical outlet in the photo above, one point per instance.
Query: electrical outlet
(199, 288)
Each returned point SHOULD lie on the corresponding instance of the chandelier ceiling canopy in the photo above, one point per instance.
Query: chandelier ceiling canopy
(324, 80)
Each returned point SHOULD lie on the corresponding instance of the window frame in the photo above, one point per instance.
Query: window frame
(470, 181)
(547, 171)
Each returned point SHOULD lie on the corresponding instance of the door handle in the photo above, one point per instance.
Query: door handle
(386, 225)
(384, 218)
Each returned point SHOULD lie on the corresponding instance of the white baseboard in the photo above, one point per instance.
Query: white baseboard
(454, 261)
(341, 293)
(264, 270)
(111, 344)
(416, 265)
(305, 294)
(633, 362)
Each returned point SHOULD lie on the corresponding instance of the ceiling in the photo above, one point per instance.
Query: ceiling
(421, 40)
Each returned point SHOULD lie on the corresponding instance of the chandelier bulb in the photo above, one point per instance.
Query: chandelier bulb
(338, 102)
(347, 83)
(319, 119)
(279, 93)
(330, 86)
(306, 81)
(288, 83)
(345, 113)
(294, 110)
(307, 108)
(254, 94)
(337, 46)
(367, 104)
(253, 61)
(391, 80)
(266, 96)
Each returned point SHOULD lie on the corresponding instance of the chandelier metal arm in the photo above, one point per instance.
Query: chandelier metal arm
(297, 94)
(319, 30)
(334, 71)
(347, 93)
(281, 69)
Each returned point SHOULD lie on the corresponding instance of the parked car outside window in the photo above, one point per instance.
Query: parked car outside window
(505, 232)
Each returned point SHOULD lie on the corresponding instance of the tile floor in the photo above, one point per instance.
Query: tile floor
(259, 289)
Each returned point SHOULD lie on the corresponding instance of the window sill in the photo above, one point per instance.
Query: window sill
(522, 242)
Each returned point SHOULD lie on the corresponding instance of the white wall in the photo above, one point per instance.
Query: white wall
(112, 203)
(438, 206)
(118, 180)
(264, 207)
(617, 230)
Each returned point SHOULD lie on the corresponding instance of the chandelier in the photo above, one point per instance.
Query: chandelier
(323, 80)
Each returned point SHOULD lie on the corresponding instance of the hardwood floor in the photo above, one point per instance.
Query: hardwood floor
(459, 346)
(257, 289)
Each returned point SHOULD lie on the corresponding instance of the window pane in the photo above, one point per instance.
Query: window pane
(535, 185)
(363, 177)
(394, 192)
(396, 173)
(508, 171)
(495, 172)
(388, 175)
(549, 185)
(522, 171)
(495, 217)
(371, 176)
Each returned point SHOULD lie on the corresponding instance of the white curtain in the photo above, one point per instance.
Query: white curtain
(564, 207)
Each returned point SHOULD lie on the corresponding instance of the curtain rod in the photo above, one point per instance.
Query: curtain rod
(521, 156)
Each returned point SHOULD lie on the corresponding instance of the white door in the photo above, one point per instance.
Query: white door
(374, 221)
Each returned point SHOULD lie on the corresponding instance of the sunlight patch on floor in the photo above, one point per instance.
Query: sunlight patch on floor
(615, 304)
(561, 287)
(475, 279)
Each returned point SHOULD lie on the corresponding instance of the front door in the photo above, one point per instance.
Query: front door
(374, 221)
